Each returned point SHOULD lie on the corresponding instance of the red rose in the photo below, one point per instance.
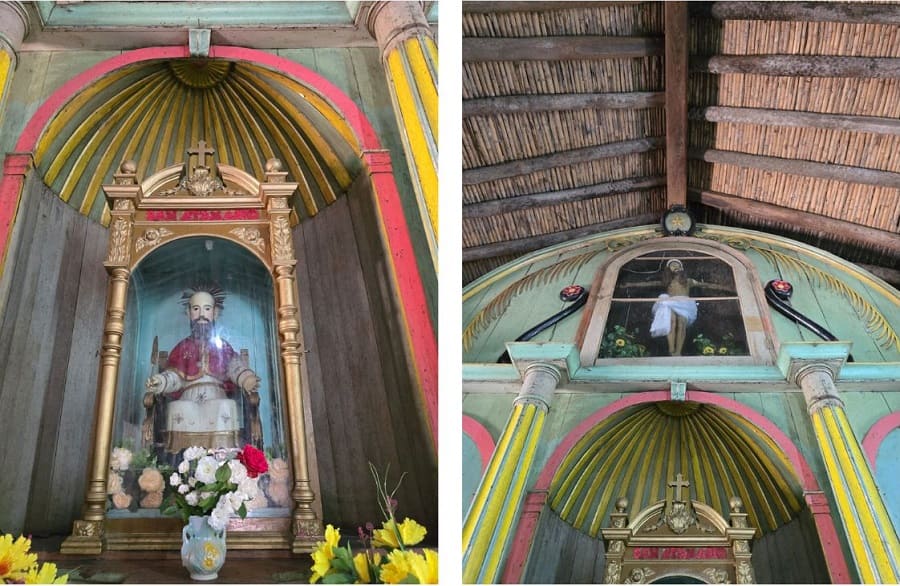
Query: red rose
(254, 461)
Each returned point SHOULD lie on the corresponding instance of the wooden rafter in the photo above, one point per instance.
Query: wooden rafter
(562, 102)
(849, 12)
(558, 48)
(799, 65)
(676, 102)
(503, 7)
(873, 124)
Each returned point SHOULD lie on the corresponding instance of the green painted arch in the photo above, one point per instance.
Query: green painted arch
(637, 451)
(152, 112)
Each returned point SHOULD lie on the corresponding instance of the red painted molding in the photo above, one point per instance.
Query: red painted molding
(531, 514)
(482, 439)
(876, 434)
(421, 333)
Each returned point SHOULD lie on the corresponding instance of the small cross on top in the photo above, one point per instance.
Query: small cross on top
(201, 150)
(678, 484)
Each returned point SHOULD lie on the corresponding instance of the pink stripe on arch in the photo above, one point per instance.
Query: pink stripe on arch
(481, 437)
(876, 434)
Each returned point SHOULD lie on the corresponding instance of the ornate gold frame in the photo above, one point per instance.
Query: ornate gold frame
(215, 200)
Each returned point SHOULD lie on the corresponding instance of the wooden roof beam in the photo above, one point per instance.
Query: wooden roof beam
(800, 219)
(477, 50)
(559, 159)
(561, 102)
(537, 242)
(676, 30)
(521, 202)
(873, 124)
(847, 12)
(512, 6)
(799, 65)
(799, 167)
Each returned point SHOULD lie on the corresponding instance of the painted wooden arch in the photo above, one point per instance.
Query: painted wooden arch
(374, 161)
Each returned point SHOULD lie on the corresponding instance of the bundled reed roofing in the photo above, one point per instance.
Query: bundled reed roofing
(791, 122)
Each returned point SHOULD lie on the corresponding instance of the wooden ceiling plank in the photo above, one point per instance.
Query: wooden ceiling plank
(891, 276)
(523, 245)
(512, 6)
(761, 116)
(847, 12)
(559, 159)
(477, 50)
(676, 41)
(511, 204)
(804, 220)
(799, 167)
(562, 102)
(799, 65)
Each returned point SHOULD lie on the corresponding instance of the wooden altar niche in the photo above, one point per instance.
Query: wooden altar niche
(177, 202)
(678, 540)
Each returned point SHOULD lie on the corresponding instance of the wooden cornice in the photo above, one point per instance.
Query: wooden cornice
(857, 233)
(873, 124)
(558, 48)
(511, 204)
(560, 159)
(799, 65)
(523, 245)
(562, 102)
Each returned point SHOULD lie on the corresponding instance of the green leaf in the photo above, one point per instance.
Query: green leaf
(242, 511)
(337, 578)
(223, 473)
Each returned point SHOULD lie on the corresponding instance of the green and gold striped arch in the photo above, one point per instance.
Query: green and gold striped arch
(636, 452)
(152, 112)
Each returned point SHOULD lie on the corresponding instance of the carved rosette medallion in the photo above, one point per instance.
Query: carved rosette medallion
(716, 576)
(118, 241)
(251, 236)
(88, 528)
(123, 205)
(281, 239)
(150, 238)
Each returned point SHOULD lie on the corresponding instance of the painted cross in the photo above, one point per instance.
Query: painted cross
(201, 151)
(678, 484)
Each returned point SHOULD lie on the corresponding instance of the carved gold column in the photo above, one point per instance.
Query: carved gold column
(491, 518)
(873, 541)
(13, 29)
(410, 60)
(306, 526)
(88, 532)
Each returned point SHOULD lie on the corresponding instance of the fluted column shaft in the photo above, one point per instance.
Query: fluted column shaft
(409, 57)
(489, 524)
(873, 541)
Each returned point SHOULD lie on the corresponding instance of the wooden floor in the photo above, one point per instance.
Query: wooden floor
(241, 567)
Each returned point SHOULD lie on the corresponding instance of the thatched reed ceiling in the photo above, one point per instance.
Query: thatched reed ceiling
(791, 123)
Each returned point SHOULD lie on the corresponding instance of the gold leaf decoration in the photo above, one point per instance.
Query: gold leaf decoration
(498, 304)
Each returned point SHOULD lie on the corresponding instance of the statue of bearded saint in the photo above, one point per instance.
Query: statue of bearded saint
(201, 373)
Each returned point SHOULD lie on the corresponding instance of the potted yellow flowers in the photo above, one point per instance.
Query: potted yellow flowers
(17, 566)
(388, 557)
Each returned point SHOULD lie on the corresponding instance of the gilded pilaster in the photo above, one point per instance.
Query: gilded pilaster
(873, 541)
(306, 526)
(409, 57)
(491, 519)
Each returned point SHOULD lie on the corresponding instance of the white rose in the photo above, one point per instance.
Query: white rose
(249, 486)
(236, 499)
(184, 466)
(192, 482)
(184, 488)
(206, 470)
(175, 479)
(192, 498)
(218, 519)
(194, 452)
(120, 459)
(238, 471)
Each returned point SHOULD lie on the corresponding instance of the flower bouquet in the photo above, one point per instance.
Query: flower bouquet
(392, 563)
(17, 566)
(214, 483)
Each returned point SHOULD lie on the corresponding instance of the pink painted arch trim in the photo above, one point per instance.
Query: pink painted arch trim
(406, 273)
(876, 435)
(482, 439)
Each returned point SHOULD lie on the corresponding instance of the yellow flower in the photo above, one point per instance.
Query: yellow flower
(324, 553)
(398, 566)
(15, 561)
(46, 575)
(426, 568)
(620, 342)
(723, 350)
(708, 350)
(361, 563)
(409, 531)
(332, 536)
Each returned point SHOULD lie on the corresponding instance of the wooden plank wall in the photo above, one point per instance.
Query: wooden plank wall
(562, 555)
(790, 555)
(364, 407)
(49, 345)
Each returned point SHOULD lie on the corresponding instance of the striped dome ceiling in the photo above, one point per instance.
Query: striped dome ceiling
(638, 451)
(152, 112)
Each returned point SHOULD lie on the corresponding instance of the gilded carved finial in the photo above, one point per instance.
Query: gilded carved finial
(736, 504)
(274, 173)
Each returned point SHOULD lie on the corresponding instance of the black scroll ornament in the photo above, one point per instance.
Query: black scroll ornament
(778, 294)
(575, 294)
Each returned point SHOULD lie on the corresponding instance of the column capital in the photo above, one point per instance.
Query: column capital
(539, 385)
(816, 379)
(15, 24)
(392, 22)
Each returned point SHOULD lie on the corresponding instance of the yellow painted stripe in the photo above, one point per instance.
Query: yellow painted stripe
(244, 121)
(490, 477)
(491, 567)
(845, 507)
(5, 65)
(886, 536)
(229, 133)
(499, 494)
(415, 134)
(425, 81)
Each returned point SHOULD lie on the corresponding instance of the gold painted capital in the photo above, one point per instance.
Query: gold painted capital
(392, 22)
(816, 379)
(539, 385)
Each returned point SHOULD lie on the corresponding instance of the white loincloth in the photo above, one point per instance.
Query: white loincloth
(662, 313)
